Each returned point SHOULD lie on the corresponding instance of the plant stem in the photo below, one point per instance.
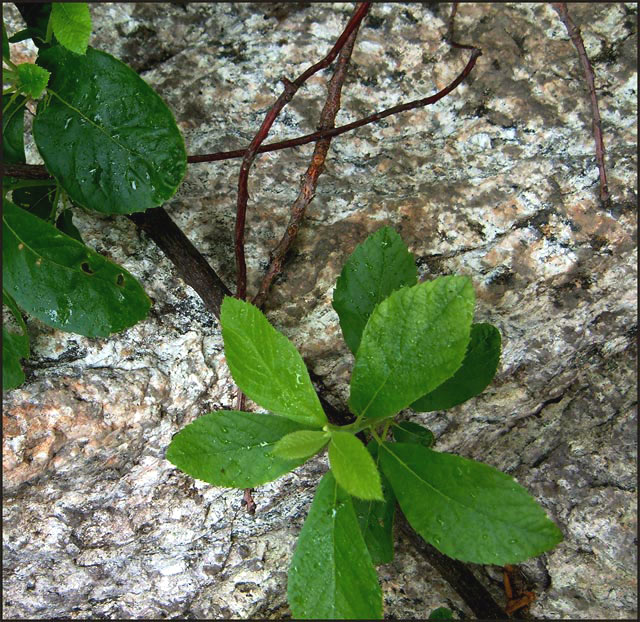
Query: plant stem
(290, 89)
(574, 32)
(310, 179)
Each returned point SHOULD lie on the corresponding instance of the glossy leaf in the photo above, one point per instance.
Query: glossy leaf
(71, 24)
(409, 432)
(353, 467)
(64, 283)
(467, 510)
(31, 79)
(301, 444)
(13, 131)
(232, 448)
(65, 224)
(377, 267)
(35, 199)
(376, 518)
(15, 345)
(413, 341)
(331, 576)
(266, 365)
(105, 135)
(476, 372)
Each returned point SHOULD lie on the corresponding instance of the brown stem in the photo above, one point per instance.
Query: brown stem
(574, 32)
(290, 89)
(310, 178)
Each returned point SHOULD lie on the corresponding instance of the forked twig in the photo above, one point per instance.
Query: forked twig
(290, 89)
(310, 178)
(574, 32)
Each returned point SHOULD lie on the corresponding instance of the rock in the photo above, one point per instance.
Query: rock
(497, 181)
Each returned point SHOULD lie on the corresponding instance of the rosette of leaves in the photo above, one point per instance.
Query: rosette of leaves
(110, 144)
(415, 345)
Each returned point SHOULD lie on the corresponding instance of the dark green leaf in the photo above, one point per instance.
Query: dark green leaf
(353, 467)
(377, 267)
(413, 341)
(71, 24)
(266, 365)
(15, 345)
(21, 35)
(441, 613)
(65, 224)
(331, 575)
(105, 135)
(301, 444)
(31, 79)
(6, 54)
(62, 282)
(467, 510)
(409, 432)
(35, 199)
(36, 16)
(232, 448)
(13, 131)
(376, 518)
(476, 372)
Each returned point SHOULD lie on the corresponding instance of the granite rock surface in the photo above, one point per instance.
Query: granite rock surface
(497, 181)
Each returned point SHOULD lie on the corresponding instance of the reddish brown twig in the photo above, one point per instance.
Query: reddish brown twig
(310, 178)
(290, 89)
(576, 37)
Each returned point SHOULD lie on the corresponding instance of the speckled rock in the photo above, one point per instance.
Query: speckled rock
(497, 181)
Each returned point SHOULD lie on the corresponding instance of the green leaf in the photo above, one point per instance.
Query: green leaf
(71, 23)
(36, 16)
(6, 54)
(105, 135)
(15, 346)
(441, 613)
(476, 372)
(232, 448)
(377, 267)
(64, 283)
(376, 518)
(65, 224)
(21, 35)
(267, 366)
(301, 444)
(353, 467)
(409, 432)
(413, 341)
(31, 79)
(36, 199)
(467, 510)
(13, 131)
(331, 575)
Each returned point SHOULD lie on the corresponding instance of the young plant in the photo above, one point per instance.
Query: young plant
(415, 346)
(111, 145)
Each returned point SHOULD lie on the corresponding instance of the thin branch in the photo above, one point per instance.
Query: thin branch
(574, 32)
(290, 89)
(310, 178)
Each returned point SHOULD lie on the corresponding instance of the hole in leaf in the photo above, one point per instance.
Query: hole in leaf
(120, 280)
(86, 267)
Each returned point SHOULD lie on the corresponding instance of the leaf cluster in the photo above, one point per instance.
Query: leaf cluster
(415, 346)
(111, 146)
